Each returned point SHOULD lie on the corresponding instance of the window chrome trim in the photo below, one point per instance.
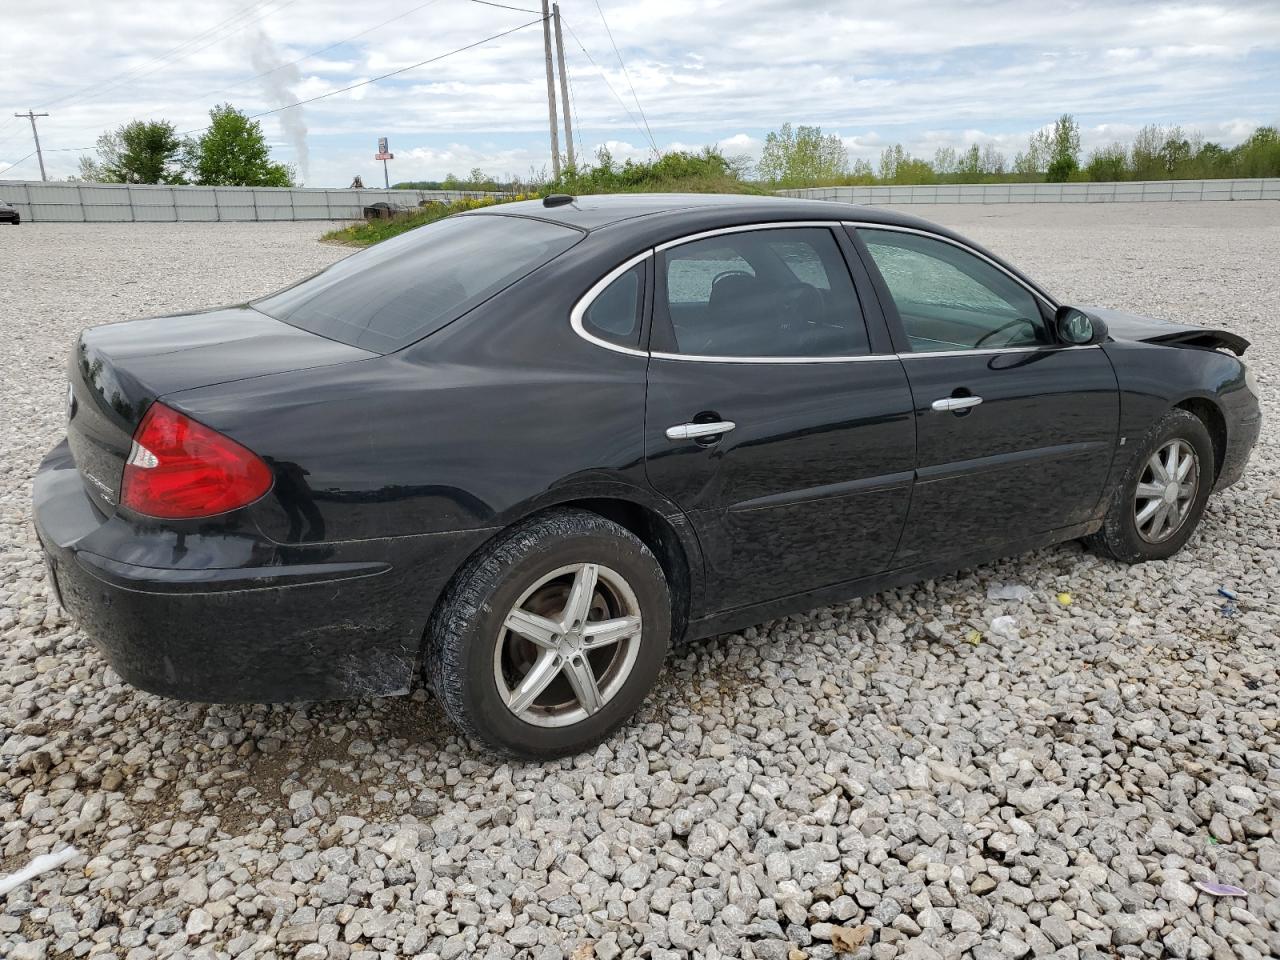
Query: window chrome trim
(1038, 294)
(750, 228)
(1042, 348)
(707, 358)
(578, 313)
(745, 228)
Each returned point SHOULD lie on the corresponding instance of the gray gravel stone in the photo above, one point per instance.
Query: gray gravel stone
(1049, 792)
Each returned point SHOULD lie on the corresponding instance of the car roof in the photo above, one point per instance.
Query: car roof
(600, 210)
(628, 219)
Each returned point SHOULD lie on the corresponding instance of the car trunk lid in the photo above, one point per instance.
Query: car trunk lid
(117, 371)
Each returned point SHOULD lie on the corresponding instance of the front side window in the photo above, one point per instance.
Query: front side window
(762, 293)
(950, 299)
(405, 288)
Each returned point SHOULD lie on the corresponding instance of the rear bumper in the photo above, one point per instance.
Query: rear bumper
(223, 622)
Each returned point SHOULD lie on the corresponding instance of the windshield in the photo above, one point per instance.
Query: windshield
(403, 289)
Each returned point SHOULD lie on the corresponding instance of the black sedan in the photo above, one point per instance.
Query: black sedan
(9, 213)
(524, 449)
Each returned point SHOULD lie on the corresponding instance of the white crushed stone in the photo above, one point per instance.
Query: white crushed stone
(1054, 791)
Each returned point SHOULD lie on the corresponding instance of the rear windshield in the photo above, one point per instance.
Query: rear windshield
(405, 288)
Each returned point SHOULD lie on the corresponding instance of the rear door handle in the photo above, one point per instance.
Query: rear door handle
(693, 431)
(952, 404)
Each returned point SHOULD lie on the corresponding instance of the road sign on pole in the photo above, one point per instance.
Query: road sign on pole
(384, 155)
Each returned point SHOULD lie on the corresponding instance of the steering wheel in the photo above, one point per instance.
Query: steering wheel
(729, 273)
(1004, 326)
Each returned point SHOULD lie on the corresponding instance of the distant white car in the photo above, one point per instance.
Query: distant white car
(9, 212)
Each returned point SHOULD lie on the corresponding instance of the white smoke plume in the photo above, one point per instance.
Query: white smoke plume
(278, 82)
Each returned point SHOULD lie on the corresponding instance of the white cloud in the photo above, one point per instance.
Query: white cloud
(923, 72)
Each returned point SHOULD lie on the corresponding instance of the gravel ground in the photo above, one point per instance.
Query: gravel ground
(889, 778)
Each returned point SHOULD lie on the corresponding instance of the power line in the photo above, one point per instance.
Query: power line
(393, 73)
(18, 162)
(244, 18)
(354, 86)
(505, 6)
(622, 103)
(116, 79)
(573, 101)
(600, 10)
(322, 50)
(257, 76)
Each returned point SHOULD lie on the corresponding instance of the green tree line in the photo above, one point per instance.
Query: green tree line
(805, 156)
(231, 152)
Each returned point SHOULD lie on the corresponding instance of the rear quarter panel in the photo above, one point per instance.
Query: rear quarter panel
(471, 428)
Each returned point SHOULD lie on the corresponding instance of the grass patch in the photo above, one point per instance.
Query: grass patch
(375, 231)
(676, 172)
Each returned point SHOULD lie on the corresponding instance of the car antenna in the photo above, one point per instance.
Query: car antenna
(557, 200)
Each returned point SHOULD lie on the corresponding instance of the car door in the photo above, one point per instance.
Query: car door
(1015, 432)
(775, 419)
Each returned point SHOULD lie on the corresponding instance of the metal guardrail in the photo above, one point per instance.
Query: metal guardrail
(125, 203)
(1119, 192)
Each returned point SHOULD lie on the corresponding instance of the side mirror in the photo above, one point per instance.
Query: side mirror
(1078, 328)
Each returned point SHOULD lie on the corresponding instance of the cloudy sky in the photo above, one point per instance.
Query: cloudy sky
(926, 73)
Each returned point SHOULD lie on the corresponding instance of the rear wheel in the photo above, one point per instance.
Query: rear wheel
(551, 637)
(1163, 494)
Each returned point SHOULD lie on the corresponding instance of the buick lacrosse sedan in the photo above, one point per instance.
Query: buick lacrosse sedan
(524, 449)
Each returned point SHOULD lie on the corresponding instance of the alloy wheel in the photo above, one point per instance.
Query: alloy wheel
(1166, 491)
(568, 645)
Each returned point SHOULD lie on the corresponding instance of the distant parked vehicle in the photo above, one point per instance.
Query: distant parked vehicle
(382, 210)
(524, 448)
(9, 213)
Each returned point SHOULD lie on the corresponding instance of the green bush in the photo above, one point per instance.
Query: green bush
(1107, 164)
(679, 171)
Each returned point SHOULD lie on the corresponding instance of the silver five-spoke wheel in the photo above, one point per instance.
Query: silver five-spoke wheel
(1166, 491)
(568, 645)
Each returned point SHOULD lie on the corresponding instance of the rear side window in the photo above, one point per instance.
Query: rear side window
(782, 292)
(614, 315)
(403, 289)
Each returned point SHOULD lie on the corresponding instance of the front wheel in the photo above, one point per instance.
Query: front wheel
(1163, 494)
(551, 637)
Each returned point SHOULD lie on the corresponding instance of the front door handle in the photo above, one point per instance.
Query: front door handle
(695, 431)
(952, 404)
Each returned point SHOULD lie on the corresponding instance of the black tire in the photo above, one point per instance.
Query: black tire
(1119, 537)
(467, 629)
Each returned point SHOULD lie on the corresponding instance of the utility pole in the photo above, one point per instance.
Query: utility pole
(31, 115)
(564, 85)
(551, 93)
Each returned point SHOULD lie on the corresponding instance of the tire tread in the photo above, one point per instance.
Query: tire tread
(444, 661)
(1112, 540)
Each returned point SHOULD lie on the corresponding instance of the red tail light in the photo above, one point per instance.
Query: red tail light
(179, 469)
